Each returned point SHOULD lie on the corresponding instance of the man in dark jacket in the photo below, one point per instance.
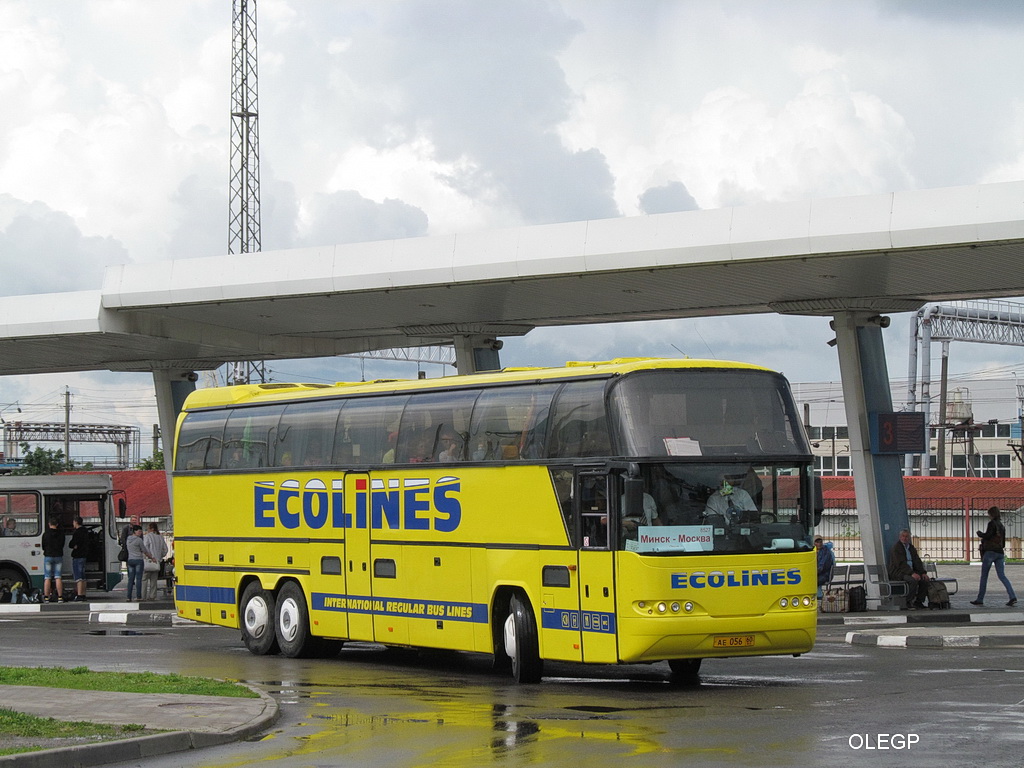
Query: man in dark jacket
(53, 561)
(906, 565)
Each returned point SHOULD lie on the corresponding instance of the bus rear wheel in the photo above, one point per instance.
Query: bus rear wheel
(292, 623)
(521, 643)
(258, 622)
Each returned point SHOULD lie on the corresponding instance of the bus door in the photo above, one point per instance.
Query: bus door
(596, 514)
(357, 556)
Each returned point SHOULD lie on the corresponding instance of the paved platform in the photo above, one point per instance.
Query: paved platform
(189, 722)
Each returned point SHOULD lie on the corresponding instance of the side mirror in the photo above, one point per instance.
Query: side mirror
(818, 500)
(122, 507)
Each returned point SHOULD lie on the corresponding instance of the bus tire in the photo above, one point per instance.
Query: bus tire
(293, 636)
(685, 671)
(521, 643)
(328, 649)
(12, 576)
(258, 620)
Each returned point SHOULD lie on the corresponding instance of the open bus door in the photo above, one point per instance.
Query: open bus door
(597, 497)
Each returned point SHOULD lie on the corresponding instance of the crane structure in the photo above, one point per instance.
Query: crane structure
(982, 322)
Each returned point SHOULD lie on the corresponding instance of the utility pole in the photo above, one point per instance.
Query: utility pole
(67, 425)
(244, 193)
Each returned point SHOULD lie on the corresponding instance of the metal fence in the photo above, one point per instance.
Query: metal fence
(943, 529)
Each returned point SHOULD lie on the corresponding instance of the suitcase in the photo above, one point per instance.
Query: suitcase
(858, 599)
(938, 595)
(834, 600)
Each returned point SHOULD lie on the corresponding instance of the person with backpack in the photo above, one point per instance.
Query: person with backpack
(993, 540)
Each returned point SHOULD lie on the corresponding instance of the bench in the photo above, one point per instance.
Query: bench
(858, 575)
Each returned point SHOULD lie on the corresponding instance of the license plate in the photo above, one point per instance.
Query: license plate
(733, 641)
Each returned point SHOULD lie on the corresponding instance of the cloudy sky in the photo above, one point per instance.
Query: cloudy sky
(407, 118)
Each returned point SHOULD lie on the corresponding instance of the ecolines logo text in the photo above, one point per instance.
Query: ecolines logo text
(414, 504)
(745, 578)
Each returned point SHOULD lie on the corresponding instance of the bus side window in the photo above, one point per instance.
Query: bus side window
(306, 434)
(580, 425)
(20, 514)
(366, 430)
(200, 439)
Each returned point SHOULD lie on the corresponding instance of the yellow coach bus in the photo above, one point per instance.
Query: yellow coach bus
(629, 511)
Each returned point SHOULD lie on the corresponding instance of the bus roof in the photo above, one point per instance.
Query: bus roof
(245, 393)
(96, 483)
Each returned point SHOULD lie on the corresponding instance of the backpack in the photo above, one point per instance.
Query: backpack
(938, 595)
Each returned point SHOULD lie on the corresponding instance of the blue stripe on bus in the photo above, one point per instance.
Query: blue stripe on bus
(578, 621)
(195, 594)
(475, 613)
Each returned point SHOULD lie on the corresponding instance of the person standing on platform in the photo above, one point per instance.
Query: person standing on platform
(137, 556)
(79, 554)
(151, 571)
(993, 541)
(53, 561)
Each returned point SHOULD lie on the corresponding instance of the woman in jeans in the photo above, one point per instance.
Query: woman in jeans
(993, 540)
(137, 556)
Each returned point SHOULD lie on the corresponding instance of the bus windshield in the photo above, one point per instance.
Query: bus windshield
(717, 508)
(706, 412)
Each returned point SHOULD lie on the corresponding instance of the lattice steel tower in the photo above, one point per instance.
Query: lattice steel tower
(244, 195)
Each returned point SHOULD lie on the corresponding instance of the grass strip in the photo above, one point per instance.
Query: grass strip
(84, 679)
(28, 728)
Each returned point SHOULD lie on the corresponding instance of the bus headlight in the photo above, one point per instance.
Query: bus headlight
(674, 607)
(783, 603)
(806, 601)
(688, 607)
(662, 607)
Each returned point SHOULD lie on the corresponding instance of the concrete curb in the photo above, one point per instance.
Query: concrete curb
(950, 640)
(145, 746)
(1005, 617)
(134, 618)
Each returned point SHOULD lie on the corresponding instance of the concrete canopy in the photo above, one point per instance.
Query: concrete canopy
(876, 253)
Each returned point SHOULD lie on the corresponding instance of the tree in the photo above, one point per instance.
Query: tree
(42, 461)
(156, 461)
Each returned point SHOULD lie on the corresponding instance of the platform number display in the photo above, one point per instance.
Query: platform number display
(898, 433)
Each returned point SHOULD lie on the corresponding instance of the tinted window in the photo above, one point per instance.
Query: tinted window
(249, 437)
(510, 424)
(579, 426)
(305, 436)
(367, 431)
(706, 413)
(435, 427)
(200, 440)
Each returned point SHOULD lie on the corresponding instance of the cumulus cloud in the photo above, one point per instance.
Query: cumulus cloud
(348, 217)
(482, 83)
(668, 198)
(43, 251)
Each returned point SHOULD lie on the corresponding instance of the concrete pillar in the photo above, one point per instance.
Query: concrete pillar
(877, 479)
(172, 386)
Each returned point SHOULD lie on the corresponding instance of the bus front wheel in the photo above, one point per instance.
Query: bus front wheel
(685, 671)
(521, 642)
(292, 623)
(258, 620)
